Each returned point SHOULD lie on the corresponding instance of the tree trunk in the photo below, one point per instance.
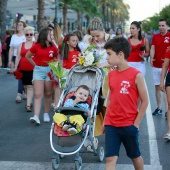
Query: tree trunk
(65, 19)
(40, 15)
(80, 22)
(104, 15)
(3, 8)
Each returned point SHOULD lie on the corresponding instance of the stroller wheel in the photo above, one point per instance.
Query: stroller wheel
(61, 156)
(55, 163)
(78, 163)
(100, 153)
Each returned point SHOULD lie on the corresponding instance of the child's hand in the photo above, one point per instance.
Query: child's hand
(89, 113)
(103, 128)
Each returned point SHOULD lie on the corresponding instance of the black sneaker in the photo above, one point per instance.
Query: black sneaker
(157, 112)
(165, 115)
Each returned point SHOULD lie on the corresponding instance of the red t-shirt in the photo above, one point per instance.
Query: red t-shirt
(24, 64)
(43, 55)
(72, 59)
(161, 43)
(123, 106)
(135, 51)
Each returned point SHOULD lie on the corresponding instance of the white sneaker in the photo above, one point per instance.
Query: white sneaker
(18, 98)
(35, 120)
(46, 117)
(65, 125)
(24, 97)
(72, 131)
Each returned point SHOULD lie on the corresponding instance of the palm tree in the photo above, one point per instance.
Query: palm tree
(3, 8)
(40, 14)
(113, 11)
(86, 7)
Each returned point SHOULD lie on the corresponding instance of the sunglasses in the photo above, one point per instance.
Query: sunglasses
(29, 35)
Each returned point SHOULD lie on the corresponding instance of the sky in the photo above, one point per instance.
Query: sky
(142, 9)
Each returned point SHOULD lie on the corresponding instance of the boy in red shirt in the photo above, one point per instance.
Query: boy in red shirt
(123, 115)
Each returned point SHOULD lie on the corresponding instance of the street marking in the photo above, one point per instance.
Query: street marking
(153, 146)
(18, 165)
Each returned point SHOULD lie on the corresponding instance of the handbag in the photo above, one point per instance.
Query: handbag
(18, 75)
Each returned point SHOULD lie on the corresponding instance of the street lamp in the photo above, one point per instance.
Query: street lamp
(56, 9)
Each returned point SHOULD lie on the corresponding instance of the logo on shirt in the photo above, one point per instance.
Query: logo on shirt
(166, 40)
(125, 85)
(51, 53)
(74, 58)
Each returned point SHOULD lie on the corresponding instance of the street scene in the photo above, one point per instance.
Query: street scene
(85, 85)
(24, 146)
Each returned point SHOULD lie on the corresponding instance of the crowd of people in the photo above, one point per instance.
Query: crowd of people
(126, 100)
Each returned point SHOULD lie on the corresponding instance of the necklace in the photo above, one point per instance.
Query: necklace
(100, 46)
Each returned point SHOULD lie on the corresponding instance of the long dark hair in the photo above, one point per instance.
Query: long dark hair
(65, 47)
(138, 25)
(118, 29)
(42, 38)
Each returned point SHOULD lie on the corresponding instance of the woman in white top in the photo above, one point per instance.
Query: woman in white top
(99, 38)
(17, 39)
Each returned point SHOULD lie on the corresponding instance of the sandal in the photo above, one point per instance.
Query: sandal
(28, 108)
(95, 143)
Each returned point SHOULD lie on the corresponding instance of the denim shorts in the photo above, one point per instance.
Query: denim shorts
(40, 73)
(13, 59)
(128, 135)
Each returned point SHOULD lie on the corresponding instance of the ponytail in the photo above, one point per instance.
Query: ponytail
(138, 25)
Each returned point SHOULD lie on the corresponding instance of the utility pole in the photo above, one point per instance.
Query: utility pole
(56, 11)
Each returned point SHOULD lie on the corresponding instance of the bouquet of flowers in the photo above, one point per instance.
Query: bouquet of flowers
(89, 57)
(58, 74)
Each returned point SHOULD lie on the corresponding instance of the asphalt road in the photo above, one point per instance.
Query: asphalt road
(26, 146)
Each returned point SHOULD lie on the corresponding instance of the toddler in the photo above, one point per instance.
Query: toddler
(73, 124)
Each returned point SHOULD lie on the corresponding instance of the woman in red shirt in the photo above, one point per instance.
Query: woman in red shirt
(25, 67)
(58, 38)
(137, 54)
(70, 51)
(44, 51)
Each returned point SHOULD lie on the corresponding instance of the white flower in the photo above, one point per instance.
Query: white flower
(89, 59)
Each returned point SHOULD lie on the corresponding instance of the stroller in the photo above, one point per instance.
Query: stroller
(63, 144)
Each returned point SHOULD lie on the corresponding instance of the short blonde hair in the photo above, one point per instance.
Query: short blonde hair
(29, 28)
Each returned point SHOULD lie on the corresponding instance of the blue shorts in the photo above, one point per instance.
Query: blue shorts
(40, 73)
(13, 59)
(128, 135)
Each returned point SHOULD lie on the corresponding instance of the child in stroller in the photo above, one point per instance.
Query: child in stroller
(64, 144)
(73, 124)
